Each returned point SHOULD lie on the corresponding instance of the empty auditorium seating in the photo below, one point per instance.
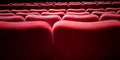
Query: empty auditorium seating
(87, 41)
(26, 41)
(81, 18)
(76, 10)
(99, 13)
(12, 18)
(61, 14)
(77, 13)
(38, 10)
(57, 10)
(109, 17)
(7, 14)
(51, 19)
(92, 9)
(59, 30)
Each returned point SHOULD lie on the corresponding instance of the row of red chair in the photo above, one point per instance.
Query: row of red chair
(67, 40)
(61, 14)
(59, 10)
(53, 18)
(60, 5)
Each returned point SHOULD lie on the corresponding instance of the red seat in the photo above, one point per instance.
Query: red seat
(17, 6)
(75, 5)
(51, 19)
(61, 14)
(89, 5)
(77, 13)
(116, 4)
(50, 2)
(38, 10)
(110, 17)
(4, 11)
(99, 13)
(4, 6)
(87, 40)
(61, 5)
(76, 10)
(112, 9)
(7, 14)
(46, 6)
(12, 18)
(57, 10)
(84, 2)
(25, 14)
(91, 9)
(26, 40)
(81, 18)
(16, 11)
(104, 4)
(32, 6)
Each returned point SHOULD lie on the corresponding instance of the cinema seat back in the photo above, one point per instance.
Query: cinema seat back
(25, 41)
(87, 40)
(81, 18)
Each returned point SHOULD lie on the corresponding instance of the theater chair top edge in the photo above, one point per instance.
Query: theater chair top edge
(86, 25)
(24, 25)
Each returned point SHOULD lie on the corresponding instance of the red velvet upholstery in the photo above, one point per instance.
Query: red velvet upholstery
(51, 19)
(112, 9)
(46, 6)
(4, 11)
(76, 10)
(7, 14)
(77, 13)
(17, 6)
(25, 14)
(116, 4)
(12, 18)
(61, 14)
(89, 5)
(4, 6)
(26, 41)
(15, 11)
(81, 18)
(32, 6)
(61, 5)
(38, 10)
(50, 2)
(57, 10)
(110, 16)
(99, 13)
(92, 9)
(87, 41)
(75, 5)
(104, 4)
